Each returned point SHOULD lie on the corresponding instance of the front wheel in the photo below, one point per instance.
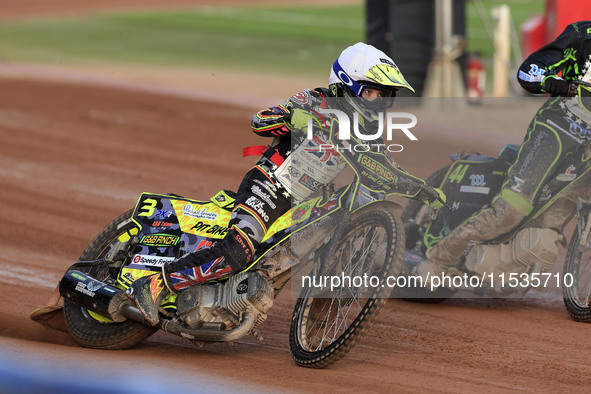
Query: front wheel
(413, 231)
(576, 286)
(414, 241)
(89, 329)
(325, 327)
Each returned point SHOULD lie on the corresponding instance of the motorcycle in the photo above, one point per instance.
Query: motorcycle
(515, 262)
(577, 263)
(350, 231)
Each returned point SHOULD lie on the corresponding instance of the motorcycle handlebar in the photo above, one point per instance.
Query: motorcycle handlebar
(430, 190)
(573, 87)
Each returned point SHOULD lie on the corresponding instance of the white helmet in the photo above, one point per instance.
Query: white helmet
(362, 66)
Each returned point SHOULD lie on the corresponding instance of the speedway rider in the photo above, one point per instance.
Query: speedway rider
(559, 132)
(367, 80)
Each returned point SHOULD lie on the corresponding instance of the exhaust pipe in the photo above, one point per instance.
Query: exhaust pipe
(99, 297)
(112, 302)
(209, 334)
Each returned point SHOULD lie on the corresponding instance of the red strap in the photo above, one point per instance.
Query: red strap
(255, 150)
(258, 150)
(276, 159)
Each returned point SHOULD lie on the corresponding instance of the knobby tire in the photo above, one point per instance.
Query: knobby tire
(88, 331)
(308, 347)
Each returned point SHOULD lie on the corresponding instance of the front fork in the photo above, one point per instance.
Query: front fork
(584, 222)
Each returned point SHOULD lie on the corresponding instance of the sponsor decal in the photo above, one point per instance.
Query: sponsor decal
(188, 210)
(93, 285)
(78, 276)
(546, 194)
(477, 185)
(568, 175)
(155, 261)
(258, 206)
(388, 62)
(309, 182)
(518, 186)
(377, 168)
(293, 171)
(81, 288)
(366, 195)
(578, 130)
(271, 188)
(286, 178)
(368, 163)
(477, 180)
(159, 240)
(375, 75)
(264, 196)
(474, 189)
(162, 214)
(535, 74)
(299, 213)
(209, 229)
(385, 174)
(245, 245)
(161, 223)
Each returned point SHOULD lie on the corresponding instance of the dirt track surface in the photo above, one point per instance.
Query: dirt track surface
(73, 157)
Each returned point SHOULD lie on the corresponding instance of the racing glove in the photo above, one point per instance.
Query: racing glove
(435, 198)
(556, 86)
(299, 120)
(286, 119)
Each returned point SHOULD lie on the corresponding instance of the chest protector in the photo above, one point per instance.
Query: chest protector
(311, 164)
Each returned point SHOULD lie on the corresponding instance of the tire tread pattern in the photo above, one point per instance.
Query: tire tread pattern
(91, 333)
(368, 314)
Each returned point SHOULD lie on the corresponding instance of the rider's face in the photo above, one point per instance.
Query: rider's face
(371, 94)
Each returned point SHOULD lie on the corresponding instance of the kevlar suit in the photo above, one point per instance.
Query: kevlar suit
(290, 169)
(264, 195)
(557, 138)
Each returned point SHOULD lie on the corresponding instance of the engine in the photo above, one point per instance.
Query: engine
(531, 250)
(222, 304)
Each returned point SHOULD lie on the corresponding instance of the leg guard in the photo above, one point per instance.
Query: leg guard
(224, 258)
(539, 156)
(485, 225)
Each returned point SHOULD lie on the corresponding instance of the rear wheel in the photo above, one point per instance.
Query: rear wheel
(576, 286)
(89, 329)
(325, 327)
